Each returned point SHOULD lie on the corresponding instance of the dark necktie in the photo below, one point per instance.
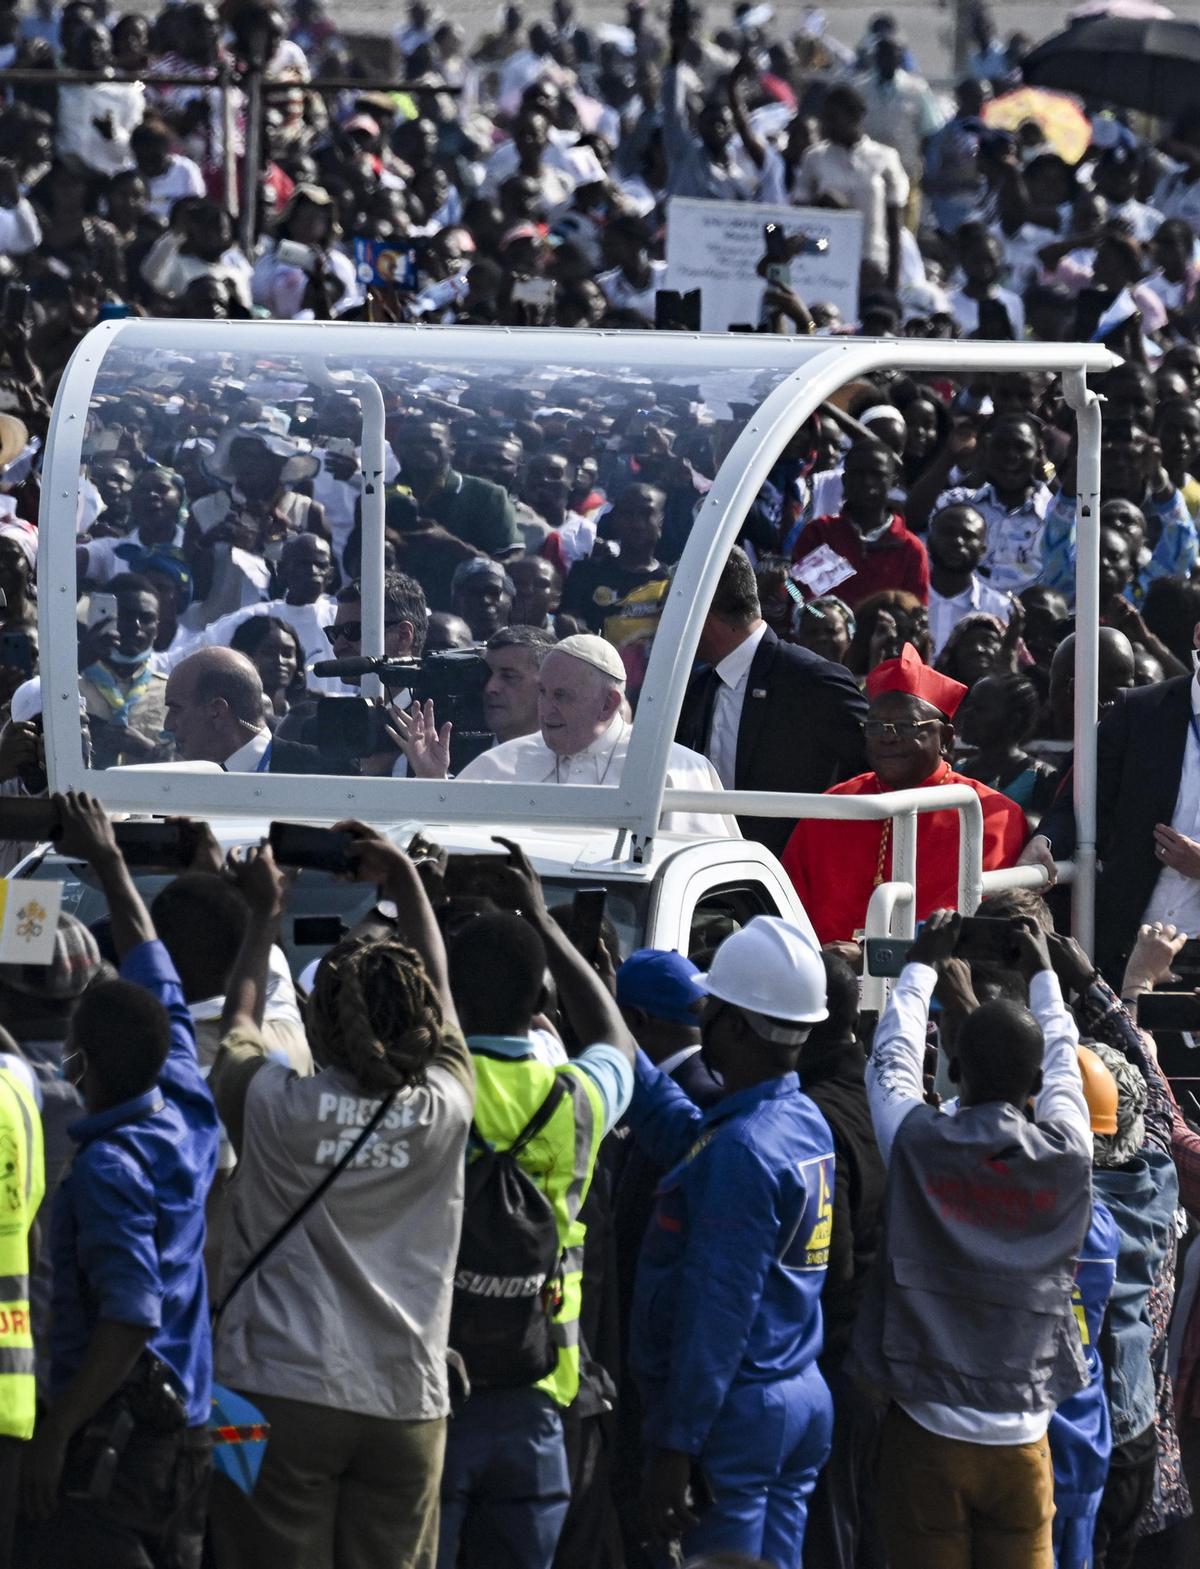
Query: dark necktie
(709, 684)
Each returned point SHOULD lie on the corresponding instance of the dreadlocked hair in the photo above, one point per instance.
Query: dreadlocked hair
(374, 1012)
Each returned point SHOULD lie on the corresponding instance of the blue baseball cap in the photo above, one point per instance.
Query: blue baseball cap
(663, 984)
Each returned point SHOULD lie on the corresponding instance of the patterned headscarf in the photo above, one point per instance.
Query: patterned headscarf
(1116, 1149)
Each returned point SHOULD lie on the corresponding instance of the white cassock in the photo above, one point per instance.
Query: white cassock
(528, 760)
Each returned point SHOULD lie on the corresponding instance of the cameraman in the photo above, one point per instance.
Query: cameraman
(405, 624)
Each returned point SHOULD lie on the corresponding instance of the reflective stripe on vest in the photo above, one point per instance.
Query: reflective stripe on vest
(507, 1093)
(22, 1180)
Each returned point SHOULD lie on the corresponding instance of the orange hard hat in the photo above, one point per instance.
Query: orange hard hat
(1099, 1090)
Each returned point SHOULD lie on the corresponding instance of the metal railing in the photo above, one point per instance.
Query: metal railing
(891, 909)
(222, 77)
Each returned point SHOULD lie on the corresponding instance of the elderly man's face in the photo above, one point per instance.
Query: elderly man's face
(905, 739)
(189, 720)
(575, 703)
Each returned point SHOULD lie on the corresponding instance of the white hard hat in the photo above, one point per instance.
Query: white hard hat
(771, 972)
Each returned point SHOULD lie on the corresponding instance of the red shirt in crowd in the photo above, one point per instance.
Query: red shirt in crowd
(897, 560)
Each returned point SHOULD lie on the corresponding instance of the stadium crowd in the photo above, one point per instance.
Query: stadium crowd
(508, 1250)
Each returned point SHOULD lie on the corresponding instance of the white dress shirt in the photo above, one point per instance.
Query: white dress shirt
(734, 673)
(1176, 898)
(247, 758)
(945, 614)
(868, 175)
(528, 760)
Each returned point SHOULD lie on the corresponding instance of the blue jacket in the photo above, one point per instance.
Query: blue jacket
(728, 1288)
(1143, 1197)
(127, 1233)
(1080, 1430)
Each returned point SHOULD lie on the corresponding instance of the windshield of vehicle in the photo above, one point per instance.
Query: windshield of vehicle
(220, 555)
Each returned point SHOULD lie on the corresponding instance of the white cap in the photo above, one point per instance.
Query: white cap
(771, 972)
(594, 651)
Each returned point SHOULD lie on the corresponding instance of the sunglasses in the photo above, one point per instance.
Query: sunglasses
(352, 631)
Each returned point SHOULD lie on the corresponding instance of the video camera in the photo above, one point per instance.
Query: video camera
(351, 727)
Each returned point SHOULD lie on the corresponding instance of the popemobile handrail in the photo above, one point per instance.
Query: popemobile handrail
(891, 910)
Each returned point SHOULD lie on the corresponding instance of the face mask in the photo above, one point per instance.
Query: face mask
(129, 660)
(1196, 660)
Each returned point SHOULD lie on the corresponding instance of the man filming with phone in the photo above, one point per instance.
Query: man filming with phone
(985, 1213)
(124, 694)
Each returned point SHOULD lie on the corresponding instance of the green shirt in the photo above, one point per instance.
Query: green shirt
(477, 511)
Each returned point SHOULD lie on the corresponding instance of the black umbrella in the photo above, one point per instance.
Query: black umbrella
(1131, 63)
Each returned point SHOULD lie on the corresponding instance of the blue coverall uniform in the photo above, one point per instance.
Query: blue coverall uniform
(726, 1321)
(1080, 1430)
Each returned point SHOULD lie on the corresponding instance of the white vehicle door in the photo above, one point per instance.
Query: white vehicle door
(698, 907)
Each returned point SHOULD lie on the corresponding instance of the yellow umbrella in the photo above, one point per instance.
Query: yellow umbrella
(1058, 116)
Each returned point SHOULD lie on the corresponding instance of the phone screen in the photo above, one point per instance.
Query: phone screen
(101, 607)
(587, 920)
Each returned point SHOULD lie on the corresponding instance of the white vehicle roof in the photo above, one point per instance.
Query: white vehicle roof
(754, 391)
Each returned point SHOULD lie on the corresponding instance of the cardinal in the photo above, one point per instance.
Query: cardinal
(836, 866)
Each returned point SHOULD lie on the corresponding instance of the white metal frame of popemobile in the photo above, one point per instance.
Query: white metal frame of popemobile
(810, 370)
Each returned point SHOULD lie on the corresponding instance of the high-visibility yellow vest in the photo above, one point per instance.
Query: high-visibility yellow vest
(561, 1160)
(22, 1183)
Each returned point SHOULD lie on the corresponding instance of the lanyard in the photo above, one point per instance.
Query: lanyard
(1195, 727)
(264, 761)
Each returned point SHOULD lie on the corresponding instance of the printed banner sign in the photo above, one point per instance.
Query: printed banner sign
(716, 247)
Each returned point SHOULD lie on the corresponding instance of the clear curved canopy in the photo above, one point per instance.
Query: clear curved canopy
(307, 492)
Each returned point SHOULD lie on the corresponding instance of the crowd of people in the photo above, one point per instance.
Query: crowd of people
(524, 177)
(505, 1253)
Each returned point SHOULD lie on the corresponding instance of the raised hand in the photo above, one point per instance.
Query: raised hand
(417, 735)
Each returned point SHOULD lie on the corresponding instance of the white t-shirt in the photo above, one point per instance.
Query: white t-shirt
(868, 175)
(966, 311)
(181, 178)
(622, 295)
(308, 622)
(123, 103)
(104, 563)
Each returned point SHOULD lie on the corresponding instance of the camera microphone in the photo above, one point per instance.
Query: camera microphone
(355, 665)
